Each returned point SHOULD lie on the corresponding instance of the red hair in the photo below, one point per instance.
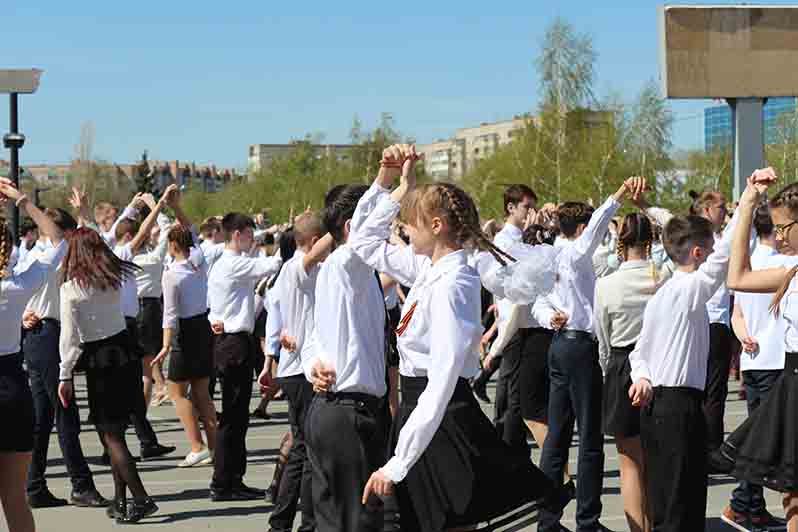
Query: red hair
(91, 263)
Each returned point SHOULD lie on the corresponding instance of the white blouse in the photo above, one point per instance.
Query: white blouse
(446, 293)
(185, 292)
(87, 315)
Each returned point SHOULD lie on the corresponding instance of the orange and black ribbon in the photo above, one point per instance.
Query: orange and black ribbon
(405, 321)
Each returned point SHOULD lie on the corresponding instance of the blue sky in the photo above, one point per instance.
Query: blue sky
(203, 80)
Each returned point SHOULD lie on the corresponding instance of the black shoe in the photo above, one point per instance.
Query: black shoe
(156, 450)
(560, 498)
(137, 511)
(233, 495)
(88, 499)
(45, 499)
(260, 414)
(257, 492)
(117, 509)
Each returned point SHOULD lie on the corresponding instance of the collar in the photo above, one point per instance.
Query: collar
(230, 253)
(764, 249)
(633, 264)
(512, 231)
(446, 264)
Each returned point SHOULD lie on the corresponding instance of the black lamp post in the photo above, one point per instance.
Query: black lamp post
(14, 83)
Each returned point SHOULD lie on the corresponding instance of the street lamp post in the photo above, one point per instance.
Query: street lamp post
(14, 83)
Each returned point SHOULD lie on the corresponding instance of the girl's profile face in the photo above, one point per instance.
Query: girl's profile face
(421, 237)
(786, 230)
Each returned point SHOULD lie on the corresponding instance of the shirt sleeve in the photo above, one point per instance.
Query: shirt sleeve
(370, 243)
(110, 235)
(256, 268)
(454, 343)
(507, 330)
(640, 355)
(712, 273)
(366, 205)
(660, 216)
(543, 312)
(69, 341)
(273, 323)
(171, 301)
(601, 324)
(593, 234)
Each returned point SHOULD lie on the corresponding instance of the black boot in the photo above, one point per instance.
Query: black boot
(479, 386)
(117, 509)
(138, 511)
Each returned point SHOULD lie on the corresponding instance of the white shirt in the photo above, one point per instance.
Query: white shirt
(129, 299)
(148, 278)
(762, 325)
(576, 283)
(294, 302)
(788, 307)
(442, 326)
(45, 302)
(505, 239)
(17, 289)
(185, 293)
(110, 235)
(719, 305)
(620, 301)
(349, 316)
(86, 316)
(231, 289)
(674, 342)
(391, 297)
(274, 327)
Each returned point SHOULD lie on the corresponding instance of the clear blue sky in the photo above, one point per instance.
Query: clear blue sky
(203, 80)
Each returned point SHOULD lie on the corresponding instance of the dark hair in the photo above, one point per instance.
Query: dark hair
(341, 207)
(571, 214)
(26, 227)
(235, 221)
(702, 200)
(62, 219)
(287, 250)
(681, 233)
(126, 226)
(536, 234)
(91, 263)
(636, 232)
(515, 194)
(268, 240)
(209, 227)
(763, 223)
(181, 237)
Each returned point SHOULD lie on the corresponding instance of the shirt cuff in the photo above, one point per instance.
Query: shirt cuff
(640, 373)
(394, 470)
(65, 374)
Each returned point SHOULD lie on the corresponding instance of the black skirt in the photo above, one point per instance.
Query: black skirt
(16, 406)
(150, 321)
(534, 381)
(765, 447)
(194, 359)
(113, 381)
(620, 418)
(467, 474)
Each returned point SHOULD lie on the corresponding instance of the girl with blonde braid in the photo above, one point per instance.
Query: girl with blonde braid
(449, 466)
(16, 401)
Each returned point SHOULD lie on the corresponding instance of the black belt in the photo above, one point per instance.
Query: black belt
(625, 349)
(576, 335)
(353, 399)
(665, 392)
(149, 298)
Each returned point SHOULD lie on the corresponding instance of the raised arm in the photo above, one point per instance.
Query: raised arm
(146, 226)
(320, 249)
(46, 226)
(599, 222)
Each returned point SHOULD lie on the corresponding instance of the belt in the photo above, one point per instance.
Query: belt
(576, 335)
(625, 349)
(353, 399)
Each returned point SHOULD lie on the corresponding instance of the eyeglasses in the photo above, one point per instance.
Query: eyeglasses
(782, 230)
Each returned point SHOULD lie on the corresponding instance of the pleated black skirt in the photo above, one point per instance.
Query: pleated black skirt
(467, 475)
(765, 447)
(16, 406)
(113, 381)
(620, 418)
(194, 359)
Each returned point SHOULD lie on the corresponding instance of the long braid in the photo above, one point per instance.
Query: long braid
(466, 228)
(6, 248)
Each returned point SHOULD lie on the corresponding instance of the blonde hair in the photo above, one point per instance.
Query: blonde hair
(6, 247)
(451, 203)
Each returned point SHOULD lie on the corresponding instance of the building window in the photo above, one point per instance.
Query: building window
(252, 151)
(476, 151)
(454, 165)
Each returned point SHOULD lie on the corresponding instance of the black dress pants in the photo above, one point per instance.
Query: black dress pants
(346, 441)
(508, 410)
(717, 384)
(296, 482)
(674, 436)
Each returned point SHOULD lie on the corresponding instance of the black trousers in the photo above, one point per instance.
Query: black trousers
(296, 482)
(230, 460)
(673, 434)
(346, 441)
(509, 421)
(575, 396)
(748, 498)
(41, 351)
(144, 431)
(717, 385)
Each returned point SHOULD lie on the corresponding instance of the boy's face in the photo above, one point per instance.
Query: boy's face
(701, 252)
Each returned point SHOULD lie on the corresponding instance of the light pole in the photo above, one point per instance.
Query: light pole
(14, 83)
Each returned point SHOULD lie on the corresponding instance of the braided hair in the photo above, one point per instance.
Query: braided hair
(182, 238)
(636, 232)
(6, 247)
(454, 205)
(786, 198)
(536, 235)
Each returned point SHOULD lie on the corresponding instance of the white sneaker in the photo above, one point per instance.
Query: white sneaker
(193, 459)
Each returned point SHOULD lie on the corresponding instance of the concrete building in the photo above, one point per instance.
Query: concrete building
(261, 155)
(453, 158)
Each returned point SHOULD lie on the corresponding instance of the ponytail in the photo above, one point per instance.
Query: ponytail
(779, 295)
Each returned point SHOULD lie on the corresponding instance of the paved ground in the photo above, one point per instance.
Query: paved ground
(182, 494)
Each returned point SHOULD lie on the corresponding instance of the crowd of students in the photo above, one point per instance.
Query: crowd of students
(368, 317)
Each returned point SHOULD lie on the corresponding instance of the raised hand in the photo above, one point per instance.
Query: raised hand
(149, 200)
(8, 190)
